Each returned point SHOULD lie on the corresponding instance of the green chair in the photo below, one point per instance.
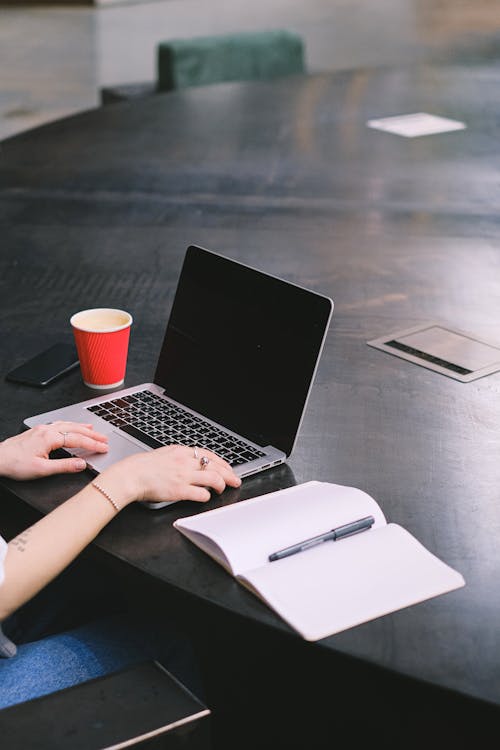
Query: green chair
(201, 61)
(204, 60)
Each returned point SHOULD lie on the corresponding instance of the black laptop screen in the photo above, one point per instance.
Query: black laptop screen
(241, 347)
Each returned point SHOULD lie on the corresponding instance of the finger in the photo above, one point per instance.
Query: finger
(213, 457)
(227, 474)
(82, 429)
(61, 466)
(219, 464)
(210, 478)
(198, 451)
(218, 460)
(79, 440)
(196, 493)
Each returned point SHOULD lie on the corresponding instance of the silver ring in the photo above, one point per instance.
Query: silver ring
(195, 449)
(64, 434)
(204, 461)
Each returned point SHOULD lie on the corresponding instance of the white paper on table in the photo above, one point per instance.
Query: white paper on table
(416, 124)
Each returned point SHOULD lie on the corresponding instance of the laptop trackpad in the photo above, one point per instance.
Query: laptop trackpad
(120, 446)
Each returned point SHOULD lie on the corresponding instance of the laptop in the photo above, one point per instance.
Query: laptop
(234, 373)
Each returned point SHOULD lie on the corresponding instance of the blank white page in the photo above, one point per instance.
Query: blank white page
(338, 585)
(249, 531)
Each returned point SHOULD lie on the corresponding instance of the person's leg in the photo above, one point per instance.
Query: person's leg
(80, 594)
(93, 650)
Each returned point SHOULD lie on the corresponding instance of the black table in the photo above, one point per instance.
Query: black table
(98, 209)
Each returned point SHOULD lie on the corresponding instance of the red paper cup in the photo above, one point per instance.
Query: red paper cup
(102, 337)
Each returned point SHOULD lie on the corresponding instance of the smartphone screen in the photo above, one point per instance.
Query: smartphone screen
(45, 367)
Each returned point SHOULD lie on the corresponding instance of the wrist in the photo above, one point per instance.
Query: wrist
(2, 461)
(119, 485)
(5, 465)
(108, 497)
(10, 466)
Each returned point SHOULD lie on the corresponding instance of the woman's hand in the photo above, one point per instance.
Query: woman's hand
(26, 456)
(173, 473)
(41, 552)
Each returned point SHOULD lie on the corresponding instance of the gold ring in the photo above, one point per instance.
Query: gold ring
(64, 438)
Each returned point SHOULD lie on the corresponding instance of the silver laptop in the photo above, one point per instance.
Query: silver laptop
(234, 372)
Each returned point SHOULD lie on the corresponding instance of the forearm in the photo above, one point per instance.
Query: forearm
(36, 556)
(167, 474)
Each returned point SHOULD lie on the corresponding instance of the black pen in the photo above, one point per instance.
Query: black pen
(362, 524)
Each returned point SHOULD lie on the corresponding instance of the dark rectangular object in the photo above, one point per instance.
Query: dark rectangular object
(273, 333)
(140, 706)
(47, 366)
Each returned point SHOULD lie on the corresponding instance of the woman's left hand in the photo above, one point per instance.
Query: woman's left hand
(26, 456)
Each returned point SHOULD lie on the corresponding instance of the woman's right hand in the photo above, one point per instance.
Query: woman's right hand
(168, 474)
(41, 552)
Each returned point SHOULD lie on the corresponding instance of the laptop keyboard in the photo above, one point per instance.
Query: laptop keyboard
(156, 422)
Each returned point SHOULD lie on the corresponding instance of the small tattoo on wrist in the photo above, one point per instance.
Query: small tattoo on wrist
(21, 540)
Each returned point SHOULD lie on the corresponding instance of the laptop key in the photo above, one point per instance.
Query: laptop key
(107, 416)
(248, 455)
(142, 436)
(119, 402)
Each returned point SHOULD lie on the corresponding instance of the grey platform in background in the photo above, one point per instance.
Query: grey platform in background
(457, 354)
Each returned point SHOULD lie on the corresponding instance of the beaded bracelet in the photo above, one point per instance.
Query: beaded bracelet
(108, 497)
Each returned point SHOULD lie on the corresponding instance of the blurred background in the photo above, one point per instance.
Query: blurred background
(55, 58)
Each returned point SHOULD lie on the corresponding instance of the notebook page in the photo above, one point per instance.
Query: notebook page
(249, 531)
(338, 585)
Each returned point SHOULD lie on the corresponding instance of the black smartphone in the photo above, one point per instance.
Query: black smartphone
(47, 366)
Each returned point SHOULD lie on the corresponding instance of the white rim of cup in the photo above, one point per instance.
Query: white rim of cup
(104, 387)
(101, 330)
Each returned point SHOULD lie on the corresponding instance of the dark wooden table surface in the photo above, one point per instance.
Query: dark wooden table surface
(98, 209)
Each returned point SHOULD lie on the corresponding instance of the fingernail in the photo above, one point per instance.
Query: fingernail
(80, 464)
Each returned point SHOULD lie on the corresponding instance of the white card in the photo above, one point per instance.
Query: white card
(418, 123)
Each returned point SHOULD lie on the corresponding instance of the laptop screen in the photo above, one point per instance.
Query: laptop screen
(241, 347)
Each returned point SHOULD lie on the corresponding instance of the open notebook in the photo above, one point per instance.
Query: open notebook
(331, 586)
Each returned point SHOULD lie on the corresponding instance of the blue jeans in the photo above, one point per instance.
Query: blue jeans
(92, 650)
(79, 627)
